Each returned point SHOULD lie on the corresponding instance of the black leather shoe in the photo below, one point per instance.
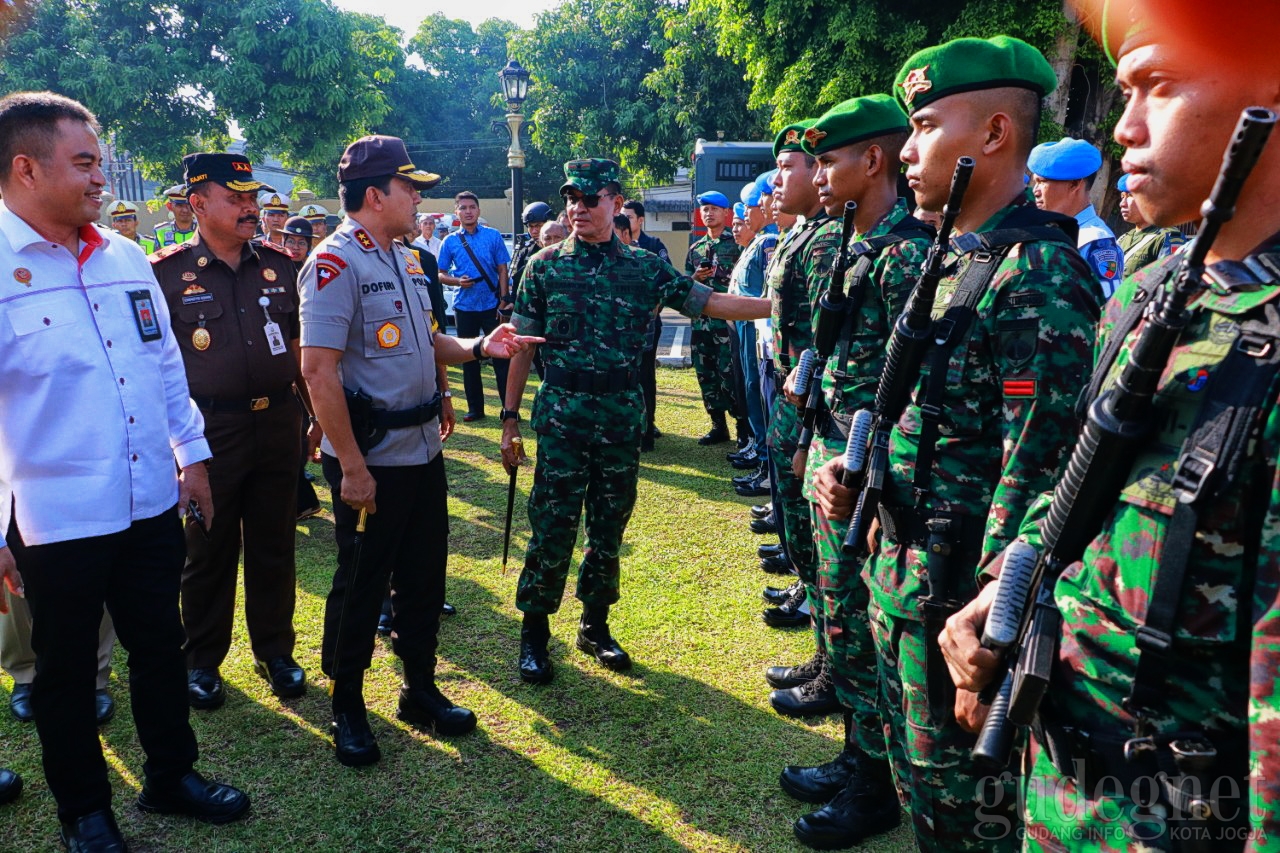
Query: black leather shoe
(718, 434)
(776, 565)
(472, 417)
(535, 660)
(761, 510)
(820, 784)
(777, 595)
(104, 707)
(286, 678)
(756, 487)
(448, 609)
(771, 550)
(96, 832)
(792, 613)
(353, 740)
(425, 707)
(764, 526)
(783, 677)
(866, 806)
(811, 699)
(594, 639)
(20, 703)
(197, 797)
(204, 688)
(10, 785)
(744, 479)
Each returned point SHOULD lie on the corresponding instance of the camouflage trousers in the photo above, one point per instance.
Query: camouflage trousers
(845, 630)
(568, 475)
(954, 807)
(790, 509)
(713, 364)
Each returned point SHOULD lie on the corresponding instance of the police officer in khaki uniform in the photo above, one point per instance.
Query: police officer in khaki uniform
(234, 306)
(370, 358)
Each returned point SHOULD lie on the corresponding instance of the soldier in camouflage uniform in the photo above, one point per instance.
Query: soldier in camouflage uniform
(592, 297)
(1216, 685)
(856, 146)
(1145, 243)
(710, 260)
(991, 420)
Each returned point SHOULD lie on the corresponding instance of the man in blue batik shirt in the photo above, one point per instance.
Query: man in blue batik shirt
(1062, 173)
(475, 258)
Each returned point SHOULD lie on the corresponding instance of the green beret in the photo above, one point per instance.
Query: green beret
(589, 175)
(969, 65)
(855, 120)
(791, 137)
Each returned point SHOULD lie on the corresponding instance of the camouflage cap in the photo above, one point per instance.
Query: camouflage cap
(590, 175)
(855, 120)
(970, 65)
(791, 137)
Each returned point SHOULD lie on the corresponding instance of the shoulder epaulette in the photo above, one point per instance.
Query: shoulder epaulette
(272, 247)
(168, 251)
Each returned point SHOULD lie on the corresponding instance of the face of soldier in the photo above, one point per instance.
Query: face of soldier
(941, 133)
(592, 224)
(742, 231)
(1171, 97)
(713, 216)
(1129, 211)
(755, 218)
(126, 225)
(1065, 197)
(183, 216)
(224, 214)
(793, 184)
(468, 212)
(273, 220)
(68, 182)
(533, 228)
(841, 176)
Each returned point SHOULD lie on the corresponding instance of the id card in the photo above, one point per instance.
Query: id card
(144, 314)
(274, 338)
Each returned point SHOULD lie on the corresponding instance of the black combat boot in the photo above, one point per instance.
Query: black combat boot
(867, 806)
(718, 433)
(353, 740)
(423, 706)
(783, 677)
(594, 638)
(811, 699)
(535, 660)
(820, 784)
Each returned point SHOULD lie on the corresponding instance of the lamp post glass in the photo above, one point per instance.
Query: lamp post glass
(515, 88)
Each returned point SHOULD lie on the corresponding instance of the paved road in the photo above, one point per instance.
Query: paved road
(673, 346)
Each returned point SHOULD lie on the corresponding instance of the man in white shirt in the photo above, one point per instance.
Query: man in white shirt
(94, 412)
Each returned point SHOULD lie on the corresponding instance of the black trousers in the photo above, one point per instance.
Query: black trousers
(406, 542)
(472, 324)
(649, 375)
(136, 573)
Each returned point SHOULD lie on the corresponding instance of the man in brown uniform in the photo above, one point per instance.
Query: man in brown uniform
(234, 306)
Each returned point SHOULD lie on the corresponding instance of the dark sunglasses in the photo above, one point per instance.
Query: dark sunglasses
(592, 201)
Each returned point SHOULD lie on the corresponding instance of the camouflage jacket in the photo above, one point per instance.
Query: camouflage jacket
(723, 254)
(858, 360)
(1225, 658)
(593, 303)
(795, 285)
(1008, 420)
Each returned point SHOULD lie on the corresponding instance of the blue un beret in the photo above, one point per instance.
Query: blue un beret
(740, 210)
(1123, 183)
(718, 199)
(750, 195)
(765, 182)
(1065, 160)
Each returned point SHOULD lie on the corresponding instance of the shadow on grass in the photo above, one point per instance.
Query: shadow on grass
(685, 741)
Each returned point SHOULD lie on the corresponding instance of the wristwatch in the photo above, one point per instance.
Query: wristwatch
(509, 415)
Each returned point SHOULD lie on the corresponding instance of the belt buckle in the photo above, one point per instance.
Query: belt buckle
(257, 404)
(1135, 745)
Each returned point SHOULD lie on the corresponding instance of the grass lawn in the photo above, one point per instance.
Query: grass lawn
(682, 752)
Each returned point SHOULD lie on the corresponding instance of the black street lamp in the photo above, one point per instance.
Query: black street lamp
(515, 88)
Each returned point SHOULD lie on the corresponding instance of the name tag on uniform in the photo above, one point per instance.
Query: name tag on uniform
(144, 314)
(274, 338)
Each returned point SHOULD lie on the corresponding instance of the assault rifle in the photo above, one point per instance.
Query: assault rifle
(833, 307)
(912, 335)
(1024, 622)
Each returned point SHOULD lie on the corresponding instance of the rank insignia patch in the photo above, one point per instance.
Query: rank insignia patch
(365, 241)
(269, 274)
(188, 276)
(388, 335)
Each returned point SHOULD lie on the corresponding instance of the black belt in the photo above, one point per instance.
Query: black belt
(217, 405)
(405, 418)
(585, 382)
(905, 525)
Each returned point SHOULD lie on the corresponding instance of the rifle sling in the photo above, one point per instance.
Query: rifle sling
(794, 251)
(1210, 459)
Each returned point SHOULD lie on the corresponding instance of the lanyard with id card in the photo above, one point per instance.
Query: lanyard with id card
(272, 329)
(144, 315)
